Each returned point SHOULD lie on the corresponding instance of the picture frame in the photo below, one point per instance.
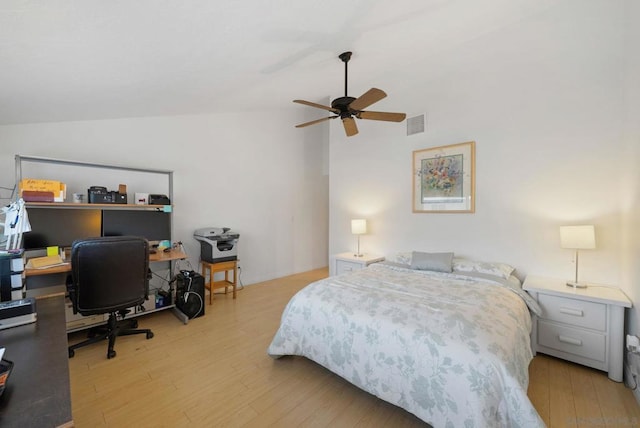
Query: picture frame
(444, 179)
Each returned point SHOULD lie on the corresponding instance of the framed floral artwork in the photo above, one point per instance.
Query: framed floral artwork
(444, 179)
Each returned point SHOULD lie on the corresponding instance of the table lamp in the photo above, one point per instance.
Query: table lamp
(577, 238)
(358, 227)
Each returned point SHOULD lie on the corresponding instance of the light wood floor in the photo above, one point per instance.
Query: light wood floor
(214, 371)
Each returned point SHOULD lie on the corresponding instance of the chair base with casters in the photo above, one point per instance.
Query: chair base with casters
(110, 331)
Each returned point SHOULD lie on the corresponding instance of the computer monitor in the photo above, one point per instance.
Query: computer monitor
(153, 225)
(60, 227)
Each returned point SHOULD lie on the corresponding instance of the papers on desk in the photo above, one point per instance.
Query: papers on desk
(45, 262)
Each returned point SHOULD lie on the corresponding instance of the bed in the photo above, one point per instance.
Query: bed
(452, 348)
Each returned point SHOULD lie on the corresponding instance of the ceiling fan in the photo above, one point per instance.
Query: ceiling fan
(346, 108)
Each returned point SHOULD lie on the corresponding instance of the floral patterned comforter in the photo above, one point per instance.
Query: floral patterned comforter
(452, 349)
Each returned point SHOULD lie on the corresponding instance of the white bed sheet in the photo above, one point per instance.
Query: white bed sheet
(452, 349)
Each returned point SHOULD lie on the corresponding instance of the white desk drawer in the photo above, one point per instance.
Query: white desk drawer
(572, 340)
(16, 280)
(574, 312)
(344, 266)
(17, 264)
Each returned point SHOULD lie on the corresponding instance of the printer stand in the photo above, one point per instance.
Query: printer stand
(225, 267)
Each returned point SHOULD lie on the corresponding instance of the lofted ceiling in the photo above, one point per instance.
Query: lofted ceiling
(95, 59)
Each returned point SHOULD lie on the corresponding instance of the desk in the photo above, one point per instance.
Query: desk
(160, 256)
(38, 392)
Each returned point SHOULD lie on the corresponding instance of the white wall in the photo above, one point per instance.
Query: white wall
(253, 172)
(630, 172)
(544, 101)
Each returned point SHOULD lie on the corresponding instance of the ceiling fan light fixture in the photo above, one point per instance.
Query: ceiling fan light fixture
(346, 108)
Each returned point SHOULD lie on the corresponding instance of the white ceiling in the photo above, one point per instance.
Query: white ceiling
(96, 59)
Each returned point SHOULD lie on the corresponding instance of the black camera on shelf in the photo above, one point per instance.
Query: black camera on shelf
(100, 195)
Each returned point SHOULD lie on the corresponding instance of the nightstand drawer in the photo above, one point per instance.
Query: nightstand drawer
(349, 262)
(572, 340)
(574, 312)
(343, 266)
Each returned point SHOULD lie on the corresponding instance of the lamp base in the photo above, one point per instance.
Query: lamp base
(576, 284)
(358, 255)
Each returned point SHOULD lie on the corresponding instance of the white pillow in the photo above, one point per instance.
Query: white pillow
(438, 262)
(500, 270)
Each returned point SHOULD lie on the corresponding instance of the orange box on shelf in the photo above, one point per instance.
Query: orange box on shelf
(58, 189)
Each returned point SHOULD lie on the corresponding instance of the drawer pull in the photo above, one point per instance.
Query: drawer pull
(569, 340)
(570, 311)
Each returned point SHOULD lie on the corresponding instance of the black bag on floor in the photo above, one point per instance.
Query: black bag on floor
(190, 293)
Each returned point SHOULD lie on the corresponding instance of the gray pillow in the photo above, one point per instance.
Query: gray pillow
(439, 262)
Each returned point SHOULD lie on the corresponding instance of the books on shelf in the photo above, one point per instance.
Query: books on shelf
(37, 196)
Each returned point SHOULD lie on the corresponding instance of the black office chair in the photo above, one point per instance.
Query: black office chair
(109, 275)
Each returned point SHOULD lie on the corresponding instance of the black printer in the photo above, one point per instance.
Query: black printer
(217, 244)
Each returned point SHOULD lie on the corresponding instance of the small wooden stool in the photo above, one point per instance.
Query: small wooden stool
(225, 267)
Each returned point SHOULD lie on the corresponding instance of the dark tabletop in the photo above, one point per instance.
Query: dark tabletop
(37, 392)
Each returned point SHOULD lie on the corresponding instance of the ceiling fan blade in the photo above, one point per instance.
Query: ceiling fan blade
(310, 104)
(373, 95)
(313, 122)
(381, 115)
(350, 127)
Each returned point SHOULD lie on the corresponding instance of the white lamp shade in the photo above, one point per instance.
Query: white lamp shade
(358, 226)
(578, 237)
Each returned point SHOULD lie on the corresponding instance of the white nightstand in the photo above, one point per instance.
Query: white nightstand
(583, 325)
(347, 262)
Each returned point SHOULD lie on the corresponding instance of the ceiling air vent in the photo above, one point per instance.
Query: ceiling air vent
(415, 125)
